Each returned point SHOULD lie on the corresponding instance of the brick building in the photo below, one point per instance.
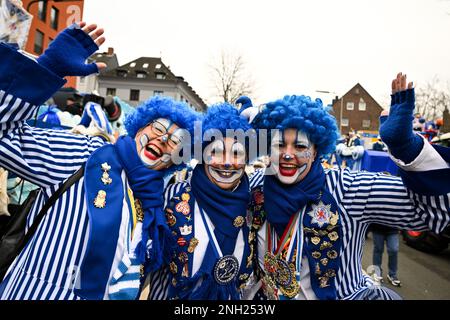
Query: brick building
(357, 110)
(49, 18)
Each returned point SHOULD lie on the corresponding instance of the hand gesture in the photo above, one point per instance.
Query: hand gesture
(67, 54)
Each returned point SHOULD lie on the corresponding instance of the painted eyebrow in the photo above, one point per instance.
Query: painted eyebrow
(301, 139)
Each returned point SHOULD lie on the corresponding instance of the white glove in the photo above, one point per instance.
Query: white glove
(250, 113)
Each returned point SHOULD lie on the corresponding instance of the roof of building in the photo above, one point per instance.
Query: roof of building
(148, 69)
(360, 87)
(110, 58)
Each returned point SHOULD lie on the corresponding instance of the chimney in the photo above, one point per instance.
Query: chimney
(110, 51)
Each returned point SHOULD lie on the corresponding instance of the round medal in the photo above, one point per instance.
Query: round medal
(226, 269)
(283, 274)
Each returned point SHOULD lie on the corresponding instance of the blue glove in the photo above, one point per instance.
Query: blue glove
(397, 130)
(67, 54)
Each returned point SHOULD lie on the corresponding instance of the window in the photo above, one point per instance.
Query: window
(344, 122)
(38, 42)
(145, 66)
(134, 95)
(141, 74)
(350, 106)
(158, 93)
(366, 123)
(54, 18)
(160, 75)
(158, 66)
(110, 91)
(133, 64)
(122, 73)
(357, 91)
(362, 105)
(42, 10)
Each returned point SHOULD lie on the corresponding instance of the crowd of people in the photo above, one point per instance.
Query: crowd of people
(104, 225)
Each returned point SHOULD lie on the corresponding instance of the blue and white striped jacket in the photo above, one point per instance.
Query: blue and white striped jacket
(365, 198)
(48, 267)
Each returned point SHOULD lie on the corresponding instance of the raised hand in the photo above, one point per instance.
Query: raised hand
(67, 54)
(396, 130)
(399, 83)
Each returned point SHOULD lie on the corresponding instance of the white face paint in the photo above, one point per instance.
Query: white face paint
(225, 162)
(157, 141)
(291, 155)
(150, 154)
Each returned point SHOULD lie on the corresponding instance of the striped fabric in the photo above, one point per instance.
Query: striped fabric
(366, 198)
(159, 280)
(93, 115)
(48, 266)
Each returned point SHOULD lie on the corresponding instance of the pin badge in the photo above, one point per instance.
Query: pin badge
(139, 210)
(173, 267)
(183, 207)
(105, 176)
(324, 261)
(192, 245)
(239, 221)
(334, 219)
(315, 240)
(333, 236)
(100, 199)
(185, 230)
(320, 213)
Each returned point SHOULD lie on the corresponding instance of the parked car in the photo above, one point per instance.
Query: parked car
(428, 241)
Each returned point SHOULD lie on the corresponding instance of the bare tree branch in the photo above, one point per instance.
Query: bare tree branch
(230, 77)
(431, 100)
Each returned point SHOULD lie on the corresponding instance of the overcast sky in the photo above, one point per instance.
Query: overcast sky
(291, 46)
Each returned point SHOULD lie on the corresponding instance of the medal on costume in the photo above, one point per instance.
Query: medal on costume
(281, 273)
(226, 268)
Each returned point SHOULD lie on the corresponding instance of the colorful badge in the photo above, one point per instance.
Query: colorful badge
(320, 213)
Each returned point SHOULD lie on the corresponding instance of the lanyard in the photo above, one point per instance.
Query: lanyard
(239, 246)
(288, 239)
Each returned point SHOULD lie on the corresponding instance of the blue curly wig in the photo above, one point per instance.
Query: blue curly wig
(223, 116)
(303, 114)
(161, 107)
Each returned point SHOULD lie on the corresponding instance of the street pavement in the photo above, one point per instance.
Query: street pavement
(424, 276)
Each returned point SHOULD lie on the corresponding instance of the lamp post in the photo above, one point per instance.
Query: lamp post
(342, 106)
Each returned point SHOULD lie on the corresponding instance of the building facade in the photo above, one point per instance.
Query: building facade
(90, 83)
(49, 18)
(140, 79)
(357, 110)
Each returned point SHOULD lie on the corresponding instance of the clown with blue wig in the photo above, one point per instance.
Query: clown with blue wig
(102, 235)
(211, 255)
(310, 223)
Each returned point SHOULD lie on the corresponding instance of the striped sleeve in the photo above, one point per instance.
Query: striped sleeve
(379, 198)
(41, 156)
(257, 179)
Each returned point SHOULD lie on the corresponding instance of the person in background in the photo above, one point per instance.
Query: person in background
(382, 233)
